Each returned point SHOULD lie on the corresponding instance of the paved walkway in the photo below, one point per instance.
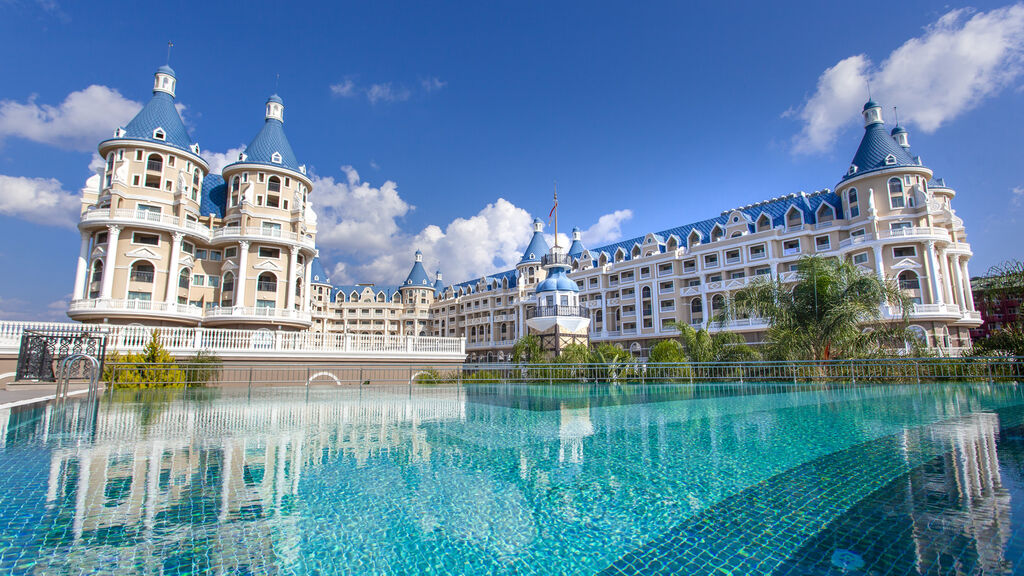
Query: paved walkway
(20, 394)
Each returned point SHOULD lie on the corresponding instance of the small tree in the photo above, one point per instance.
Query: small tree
(528, 349)
(667, 351)
(153, 368)
(701, 346)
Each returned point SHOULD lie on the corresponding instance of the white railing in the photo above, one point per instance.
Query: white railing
(258, 232)
(257, 312)
(130, 215)
(855, 240)
(929, 232)
(130, 306)
(269, 344)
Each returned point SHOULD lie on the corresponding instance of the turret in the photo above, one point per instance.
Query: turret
(872, 113)
(164, 80)
(900, 135)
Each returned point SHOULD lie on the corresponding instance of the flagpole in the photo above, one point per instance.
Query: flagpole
(556, 213)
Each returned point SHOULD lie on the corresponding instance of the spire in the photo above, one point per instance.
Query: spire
(164, 80)
(159, 122)
(270, 146)
(576, 248)
(872, 113)
(418, 275)
(275, 108)
(899, 133)
(538, 246)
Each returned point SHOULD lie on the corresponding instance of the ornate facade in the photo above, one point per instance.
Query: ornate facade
(165, 242)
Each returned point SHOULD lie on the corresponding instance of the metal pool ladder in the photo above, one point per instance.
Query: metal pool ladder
(65, 370)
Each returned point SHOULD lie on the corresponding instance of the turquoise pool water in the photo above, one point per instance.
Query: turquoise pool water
(587, 479)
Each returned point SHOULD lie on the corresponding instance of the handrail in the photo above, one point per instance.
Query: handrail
(64, 370)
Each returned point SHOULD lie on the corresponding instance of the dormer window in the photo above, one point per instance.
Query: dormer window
(852, 170)
(159, 134)
(276, 158)
(890, 160)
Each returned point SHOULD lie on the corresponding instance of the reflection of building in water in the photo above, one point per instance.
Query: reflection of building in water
(957, 503)
(224, 475)
(574, 425)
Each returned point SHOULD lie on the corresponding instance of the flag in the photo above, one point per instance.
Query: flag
(552, 213)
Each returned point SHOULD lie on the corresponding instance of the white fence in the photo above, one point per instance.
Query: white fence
(253, 344)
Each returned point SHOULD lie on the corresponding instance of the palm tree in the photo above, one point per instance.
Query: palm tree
(825, 313)
(703, 346)
(528, 349)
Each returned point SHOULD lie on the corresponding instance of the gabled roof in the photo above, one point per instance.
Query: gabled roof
(159, 112)
(342, 292)
(875, 147)
(270, 139)
(317, 273)
(213, 196)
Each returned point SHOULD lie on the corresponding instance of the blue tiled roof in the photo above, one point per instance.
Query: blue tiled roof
(159, 112)
(576, 248)
(538, 247)
(870, 104)
(343, 292)
(438, 285)
(875, 147)
(165, 69)
(417, 277)
(213, 197)
(317, 273)
(271, 138)
(557, 280)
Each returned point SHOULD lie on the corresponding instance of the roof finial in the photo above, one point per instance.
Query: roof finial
(896, 114)
(169, 46)
(277, 81)
(554, 212)
(868, 82)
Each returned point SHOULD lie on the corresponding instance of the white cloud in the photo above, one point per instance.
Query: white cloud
(432, 84)
(359, 228)
(1017, 197)
(218, 160)
(78, 123)
(40, 200)
(608, 228)
(344, 89)
(386, 93)
(957, 62)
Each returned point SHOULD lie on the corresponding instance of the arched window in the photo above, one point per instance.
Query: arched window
(235, 185)
(97, 271)
(919, 334)
(142, 271)
(909, 280)
(764, 223)
(716, 233)
(851, 199)
(195, 184)
(645, 292)
(672, 243)
(696, 307)
(266, 282)
(717, 303)
(825, 213)
(228, 283)
(636, 251)
(154, 169)
(183, 278)
(599, 316)
(896, 199)
(274, 184)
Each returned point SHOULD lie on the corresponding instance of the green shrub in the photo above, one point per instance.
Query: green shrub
(154, 367)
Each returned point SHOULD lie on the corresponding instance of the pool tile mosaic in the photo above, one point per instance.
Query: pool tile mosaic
(524, 480)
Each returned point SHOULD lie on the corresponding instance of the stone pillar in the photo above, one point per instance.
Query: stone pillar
(293, 265)
(947, 284)
(958, 282)
(243, 263)
(704, 304)
(966, 277)
(656, 307)
(879, 266)
(933, 273)
(307, 284)
(81, 271)
(172, 272)
(110, 264)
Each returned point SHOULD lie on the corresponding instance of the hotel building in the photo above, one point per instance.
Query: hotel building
(167, 243)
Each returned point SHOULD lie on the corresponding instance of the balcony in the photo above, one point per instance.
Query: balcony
(149, 217)
(235, 233)
(856, 240)
(572, 311)
(143, 277)
(916, 232)
(790, 251)
(266, 286)
(108, 307)
(551, 259)
(257, 313)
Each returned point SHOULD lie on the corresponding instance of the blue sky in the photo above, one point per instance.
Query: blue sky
(442, 127)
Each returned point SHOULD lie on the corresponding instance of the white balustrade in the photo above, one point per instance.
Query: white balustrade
(269, 344)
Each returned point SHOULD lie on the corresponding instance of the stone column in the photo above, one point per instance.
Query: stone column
(656, 308)
(947, 284)
(293, 265)
(958, 281)
(110, 263)
(704, 304)
(307, 284)
(879, 266)
(81, 272)
(966, 277)
(172, 272)
(933, 272)
(240, 278)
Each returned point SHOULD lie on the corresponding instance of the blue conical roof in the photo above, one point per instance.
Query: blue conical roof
(537, 248)
(159, 112)
(875, 147)
(557, 280)
(576, 249)
(418, 275)
(317, 274)
(438, 284)
(271, 138)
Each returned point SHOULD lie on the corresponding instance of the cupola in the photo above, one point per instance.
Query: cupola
(275, 108)
(901, 136)
(164, 80)
(872, 113)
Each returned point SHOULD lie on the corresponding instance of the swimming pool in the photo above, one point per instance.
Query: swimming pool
(519, 479)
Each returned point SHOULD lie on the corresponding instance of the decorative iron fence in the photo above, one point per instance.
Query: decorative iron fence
(40, 350)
